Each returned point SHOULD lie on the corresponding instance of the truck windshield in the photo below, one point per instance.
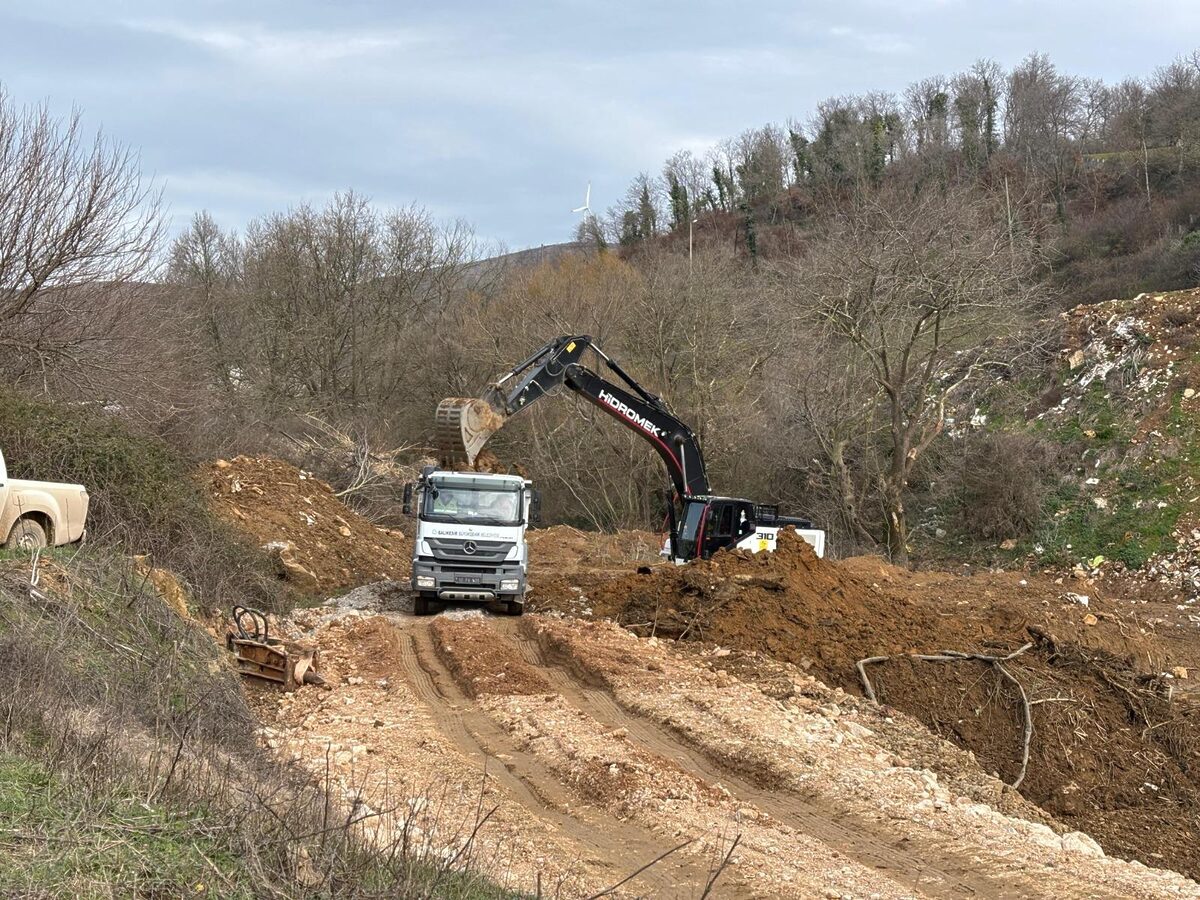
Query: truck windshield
(479, 506)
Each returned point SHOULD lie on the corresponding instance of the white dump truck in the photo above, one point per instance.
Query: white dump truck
(470, 540)
(36, 514)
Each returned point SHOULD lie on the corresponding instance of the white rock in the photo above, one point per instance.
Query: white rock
(1080, 844)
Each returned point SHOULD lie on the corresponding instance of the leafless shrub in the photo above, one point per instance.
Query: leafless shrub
(1002, 484)
(362, 474)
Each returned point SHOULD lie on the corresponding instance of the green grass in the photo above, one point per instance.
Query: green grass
(57, 841)
(1145, 496)
(1123, 532)
(73, 823)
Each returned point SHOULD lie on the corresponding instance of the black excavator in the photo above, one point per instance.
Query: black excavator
(700, 522)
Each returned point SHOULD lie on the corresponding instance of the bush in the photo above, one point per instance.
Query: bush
(144, 498)
(1002, 483)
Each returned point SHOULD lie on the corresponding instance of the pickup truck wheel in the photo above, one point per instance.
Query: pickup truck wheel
(26, 535)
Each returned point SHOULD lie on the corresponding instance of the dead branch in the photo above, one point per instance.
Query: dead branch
(997, 662)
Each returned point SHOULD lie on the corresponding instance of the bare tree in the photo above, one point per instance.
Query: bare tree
(1043, 117)
(912, 293)
(206, 262)
(318, 307)
(77, 225)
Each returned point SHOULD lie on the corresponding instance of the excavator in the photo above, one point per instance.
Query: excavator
(700, 522)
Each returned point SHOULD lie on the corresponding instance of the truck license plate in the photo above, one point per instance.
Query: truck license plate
(469, 579)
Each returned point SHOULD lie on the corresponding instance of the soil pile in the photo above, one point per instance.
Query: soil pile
(1114, 749)
(562, 549)
(320, 544)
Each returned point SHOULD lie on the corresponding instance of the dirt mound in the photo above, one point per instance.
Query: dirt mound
(320, 543)
(1112, 753)
(561, 548)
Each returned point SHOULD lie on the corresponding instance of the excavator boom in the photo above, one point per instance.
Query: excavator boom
(463, 425)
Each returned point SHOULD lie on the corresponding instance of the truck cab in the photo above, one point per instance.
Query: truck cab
(708, 524)
(470, 539)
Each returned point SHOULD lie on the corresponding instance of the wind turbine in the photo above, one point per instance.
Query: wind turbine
(587, 202)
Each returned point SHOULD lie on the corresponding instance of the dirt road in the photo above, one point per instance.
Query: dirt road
(590, 752)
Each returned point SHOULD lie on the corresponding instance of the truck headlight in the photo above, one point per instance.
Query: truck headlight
(425, 581)
(509, 584)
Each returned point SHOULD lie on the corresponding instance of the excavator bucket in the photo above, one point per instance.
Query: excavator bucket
(462, 426)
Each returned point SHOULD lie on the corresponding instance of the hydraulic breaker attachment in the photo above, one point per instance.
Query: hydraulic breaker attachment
(462, 426)
(258, 655)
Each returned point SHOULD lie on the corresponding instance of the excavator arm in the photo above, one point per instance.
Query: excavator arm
(464, 425)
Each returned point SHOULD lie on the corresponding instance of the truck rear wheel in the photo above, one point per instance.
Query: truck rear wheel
(26, 535)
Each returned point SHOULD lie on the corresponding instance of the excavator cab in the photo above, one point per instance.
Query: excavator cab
(707, 524)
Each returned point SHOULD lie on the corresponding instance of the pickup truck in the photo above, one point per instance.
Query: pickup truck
(40, 513)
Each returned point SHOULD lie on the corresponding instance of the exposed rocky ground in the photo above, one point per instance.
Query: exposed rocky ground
(319, 544)
(720, 711)
(587, 750)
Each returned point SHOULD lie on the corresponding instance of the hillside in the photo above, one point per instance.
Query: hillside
(1108, 435)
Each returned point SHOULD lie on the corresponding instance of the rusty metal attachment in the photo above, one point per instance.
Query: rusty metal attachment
(265, 658)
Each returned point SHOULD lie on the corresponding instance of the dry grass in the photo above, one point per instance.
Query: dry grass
(129, 764)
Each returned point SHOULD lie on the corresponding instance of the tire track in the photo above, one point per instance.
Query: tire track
(620, 847)
(937, 871)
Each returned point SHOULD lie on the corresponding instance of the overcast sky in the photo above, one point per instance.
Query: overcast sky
(500, 113)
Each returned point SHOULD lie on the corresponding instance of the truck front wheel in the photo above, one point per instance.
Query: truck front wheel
(26, 535)
(514, 607)
(422, 605)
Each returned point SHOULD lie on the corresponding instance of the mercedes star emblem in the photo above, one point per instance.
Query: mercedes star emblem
(469, 547)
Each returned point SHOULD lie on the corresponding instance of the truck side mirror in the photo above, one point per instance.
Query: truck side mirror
(408, 499)
(535, 508)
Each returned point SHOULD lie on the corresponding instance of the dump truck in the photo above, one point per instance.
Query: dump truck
(701, 522)
(36, 514)
(470, 538)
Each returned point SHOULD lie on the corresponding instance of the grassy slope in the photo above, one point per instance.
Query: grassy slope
(144, 497)
(126, 747)
(56, 840)
(103, 686)
(1125, 439)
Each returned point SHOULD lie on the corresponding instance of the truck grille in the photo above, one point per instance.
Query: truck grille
(486, 553)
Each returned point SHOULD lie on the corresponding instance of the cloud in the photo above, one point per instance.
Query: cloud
(273, 49)
(879, 42)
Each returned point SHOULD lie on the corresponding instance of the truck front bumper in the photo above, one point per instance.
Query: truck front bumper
(449, 583)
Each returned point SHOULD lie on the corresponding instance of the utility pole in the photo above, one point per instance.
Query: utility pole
(691, 222)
